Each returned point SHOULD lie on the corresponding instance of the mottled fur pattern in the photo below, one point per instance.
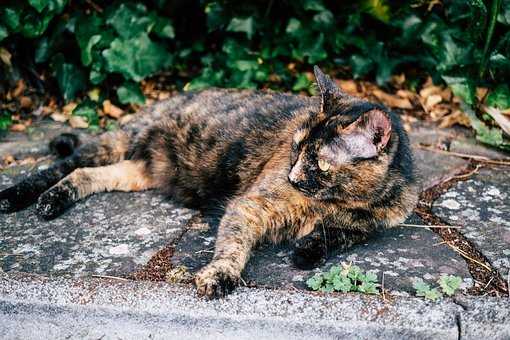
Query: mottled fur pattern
(325, 171)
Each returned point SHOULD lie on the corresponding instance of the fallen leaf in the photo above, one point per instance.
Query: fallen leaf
(348, 86)
(406, 94)
(433, 100)
(94, 94)
(69, 107)
(392, 100)
(481, 92)
(429, 91)
(18, 127)
(5, 56)
(457, 117)
(78, 122)
(20, 88)
(25, 102)
(59, 117)
(163, 95)
(8, 159)
(126, 119)
(112, 110)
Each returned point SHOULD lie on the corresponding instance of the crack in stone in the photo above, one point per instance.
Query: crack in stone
(491, 280)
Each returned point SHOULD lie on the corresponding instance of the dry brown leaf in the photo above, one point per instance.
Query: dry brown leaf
(25, 102)
(348, 86)
(112, 110)
(78, 122)
(18, 127)
(5, 56)
(457, 117)
(8, 159)
(439, 111)
(481, 92)
(392, 100)
(125, 119)
(59, 117)
(433, 100)
(406, 94)
(163, 95)
(69, 107)
(20, 88)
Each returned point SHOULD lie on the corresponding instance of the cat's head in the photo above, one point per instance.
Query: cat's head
(342, 151)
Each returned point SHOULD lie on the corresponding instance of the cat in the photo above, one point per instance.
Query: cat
(325, 171)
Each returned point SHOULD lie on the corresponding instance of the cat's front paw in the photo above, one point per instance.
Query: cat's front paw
(56, 200)
(309, 254)
(215, 281)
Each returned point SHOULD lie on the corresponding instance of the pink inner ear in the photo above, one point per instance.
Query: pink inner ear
(376, 125)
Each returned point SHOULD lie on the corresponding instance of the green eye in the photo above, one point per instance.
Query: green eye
(324, 165)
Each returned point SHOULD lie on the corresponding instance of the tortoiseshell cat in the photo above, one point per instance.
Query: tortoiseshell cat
(325, 171)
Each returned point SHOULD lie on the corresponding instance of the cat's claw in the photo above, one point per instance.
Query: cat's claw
(213, 282)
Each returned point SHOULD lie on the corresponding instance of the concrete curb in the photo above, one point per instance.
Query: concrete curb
(35, 307)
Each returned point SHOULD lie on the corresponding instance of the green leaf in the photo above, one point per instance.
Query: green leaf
(11, 17)
(246, 25)
(164, 28)
(449, 284)
(379, 9)
(136, 58)
(86, 53)
(3, 32)
(294, 27)
(313, 5)
(315, 282)
(361, 65)
(342, 283)
(323, 20)
(463, 88)
(432, 294)
(302, 83)
(5, 120)
(130, 93)
(368, 288)
(421, 287)
(87, 109)
(370, 277)
(484, 134)
(130, 21)
(70, 78)
(499, 97)
(39, 5)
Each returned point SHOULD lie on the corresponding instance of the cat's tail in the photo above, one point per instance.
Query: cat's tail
(108, 148)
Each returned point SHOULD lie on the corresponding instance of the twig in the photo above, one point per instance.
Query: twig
(469, 174)
(110, 277)
(244, 282)
(465, 155)
(210, 250)
(463, 253)
(488, 283)
(382, 287)
(95, 6)
(429, 226)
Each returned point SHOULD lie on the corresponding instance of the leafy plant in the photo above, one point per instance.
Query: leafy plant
(271, 44)
(449, 284)
(348, 278)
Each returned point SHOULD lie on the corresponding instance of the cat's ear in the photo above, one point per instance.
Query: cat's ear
(330, 93)
(371, 131)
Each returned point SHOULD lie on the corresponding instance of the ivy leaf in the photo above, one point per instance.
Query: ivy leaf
(87, 109)
(379, 9)
(130, 93)
(11, 17)
(5, 121)
(3, 32)
(499, 97)
(246, 25)
(70, 78)
(136, 58)
(130, 21)
(449, 284)
(463, 88)
(313, 5)
(39, 5)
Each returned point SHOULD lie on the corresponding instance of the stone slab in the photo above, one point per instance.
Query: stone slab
(402, 254)
(56, 308)
(481, 205)
(106, 234)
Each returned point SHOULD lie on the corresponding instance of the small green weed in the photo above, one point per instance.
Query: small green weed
(347, 278)
(448, 284)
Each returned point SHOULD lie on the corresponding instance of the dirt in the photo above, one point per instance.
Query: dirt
(157, 267)
(487, 279)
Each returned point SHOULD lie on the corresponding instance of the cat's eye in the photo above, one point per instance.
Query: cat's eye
(324, 165)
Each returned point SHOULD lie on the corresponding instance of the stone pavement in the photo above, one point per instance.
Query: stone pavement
(114, 234)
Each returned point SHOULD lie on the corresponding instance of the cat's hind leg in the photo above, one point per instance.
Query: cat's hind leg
(128, 175)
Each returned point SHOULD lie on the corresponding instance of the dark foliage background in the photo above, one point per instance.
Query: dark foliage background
(70, 47)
